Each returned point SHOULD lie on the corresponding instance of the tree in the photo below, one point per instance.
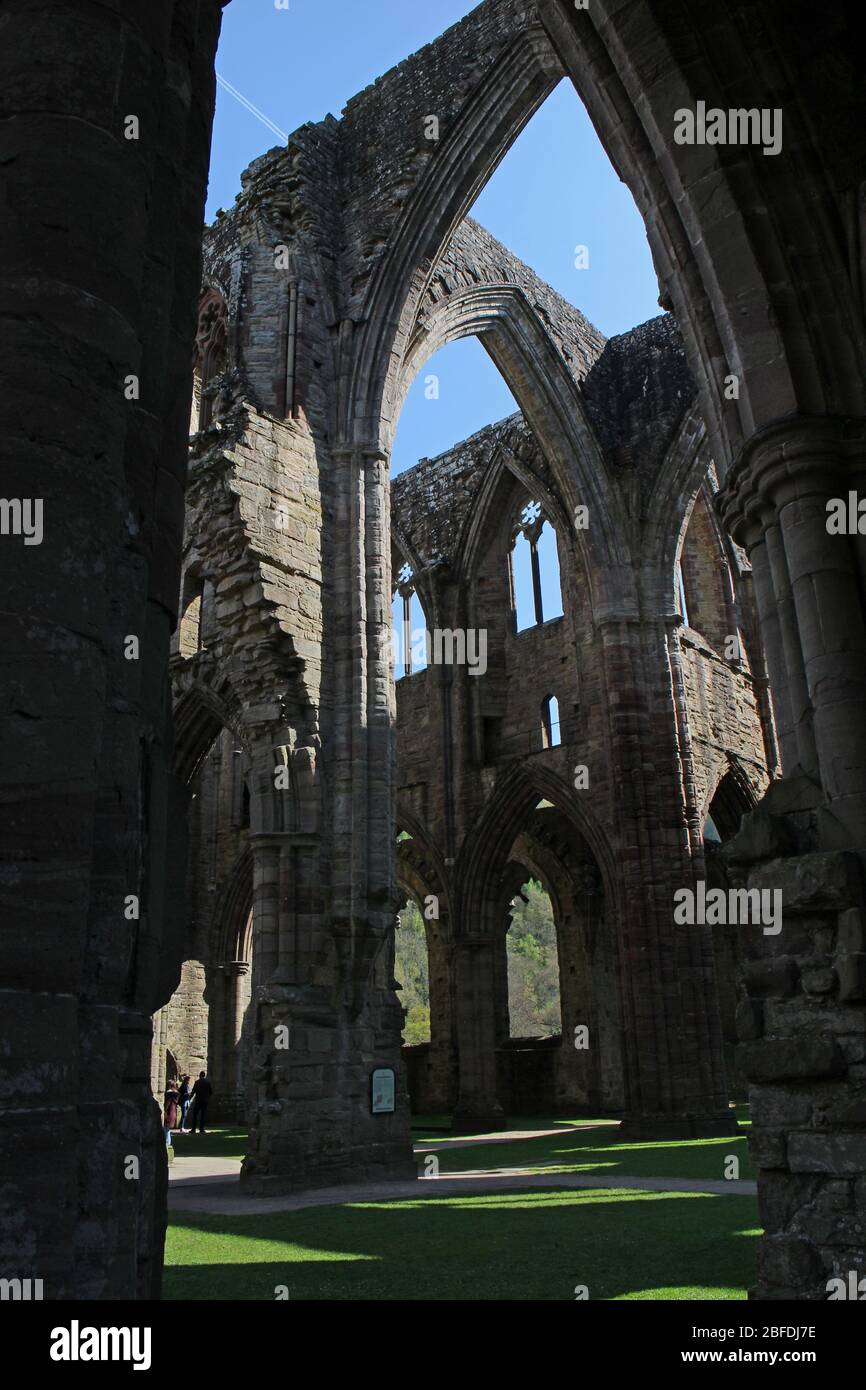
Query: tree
(533, 966)
(412, 969)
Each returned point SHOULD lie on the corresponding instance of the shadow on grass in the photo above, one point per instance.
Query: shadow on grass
(493, 1246)
(597, 1151)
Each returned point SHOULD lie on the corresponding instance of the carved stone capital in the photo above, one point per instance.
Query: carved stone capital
(793, 458)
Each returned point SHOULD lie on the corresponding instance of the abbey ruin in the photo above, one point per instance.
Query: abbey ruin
(228, 824)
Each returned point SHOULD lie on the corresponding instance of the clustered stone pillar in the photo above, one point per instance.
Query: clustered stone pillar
(239, 971)
(316, 1039)
(674, 1055)
(474, 997)
(104, 181)
(802, 1008)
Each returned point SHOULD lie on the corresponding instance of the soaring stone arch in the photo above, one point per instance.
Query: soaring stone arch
(763, 290)
(586, 1068)
(733, 272)
(679, 480)
(516, 475)
(772, 297)
(479, 121)
(200, 713)
(513, 322)
(403, 200)
(485, 881)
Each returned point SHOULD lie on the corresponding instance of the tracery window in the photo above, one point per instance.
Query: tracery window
(535, 576)
(209, 356)
(409, 626)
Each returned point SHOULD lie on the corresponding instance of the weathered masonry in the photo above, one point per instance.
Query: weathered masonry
(346, 262)
(487, 786)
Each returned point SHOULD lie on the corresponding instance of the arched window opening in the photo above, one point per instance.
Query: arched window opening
(412, 970)
(209, 356)
(722, 822)
(190, 627)
(551, 731)
(208, 620)
(535, 577)
(682, 606)
(726, 810)
(529, 207)
(706, 588)
(711, 832)
(195, 409)
(521, 578)
(240, 792)
(534, 1005)
(409, 627)
(457, 392)
(551, 581)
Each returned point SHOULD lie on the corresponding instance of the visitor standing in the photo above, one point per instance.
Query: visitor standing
(201, 1094)
(185, 1098)
(169, 1114)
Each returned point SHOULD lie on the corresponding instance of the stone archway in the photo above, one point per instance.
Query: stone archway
(762, 292)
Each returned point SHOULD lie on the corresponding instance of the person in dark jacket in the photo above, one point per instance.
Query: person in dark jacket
(201, 1094)
(185, 1097)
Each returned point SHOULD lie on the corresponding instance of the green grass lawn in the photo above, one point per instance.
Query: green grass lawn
(594, 1151)
(535, 1244)
(217, 1143)
(504, 1245)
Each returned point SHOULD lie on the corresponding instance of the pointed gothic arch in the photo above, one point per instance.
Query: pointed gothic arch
(512, 89)
(728, 269)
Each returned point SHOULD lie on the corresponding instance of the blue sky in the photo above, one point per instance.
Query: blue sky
(555, 189)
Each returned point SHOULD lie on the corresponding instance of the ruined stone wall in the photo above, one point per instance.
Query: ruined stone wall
(667, 715)
(386, 148)
(474, 261)
(457, 733)
(267, 548)
(260, 534)
(198, 1024)
(100, 266)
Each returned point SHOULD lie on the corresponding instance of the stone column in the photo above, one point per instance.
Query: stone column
(477, 1106)
(592, 1075)
(157, 1070)
(266, 908)
(84, 978)
(799, 707)
(802, 1010)
(239, 970)
(327, 1015)
(777, 493)
(673, 1053)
